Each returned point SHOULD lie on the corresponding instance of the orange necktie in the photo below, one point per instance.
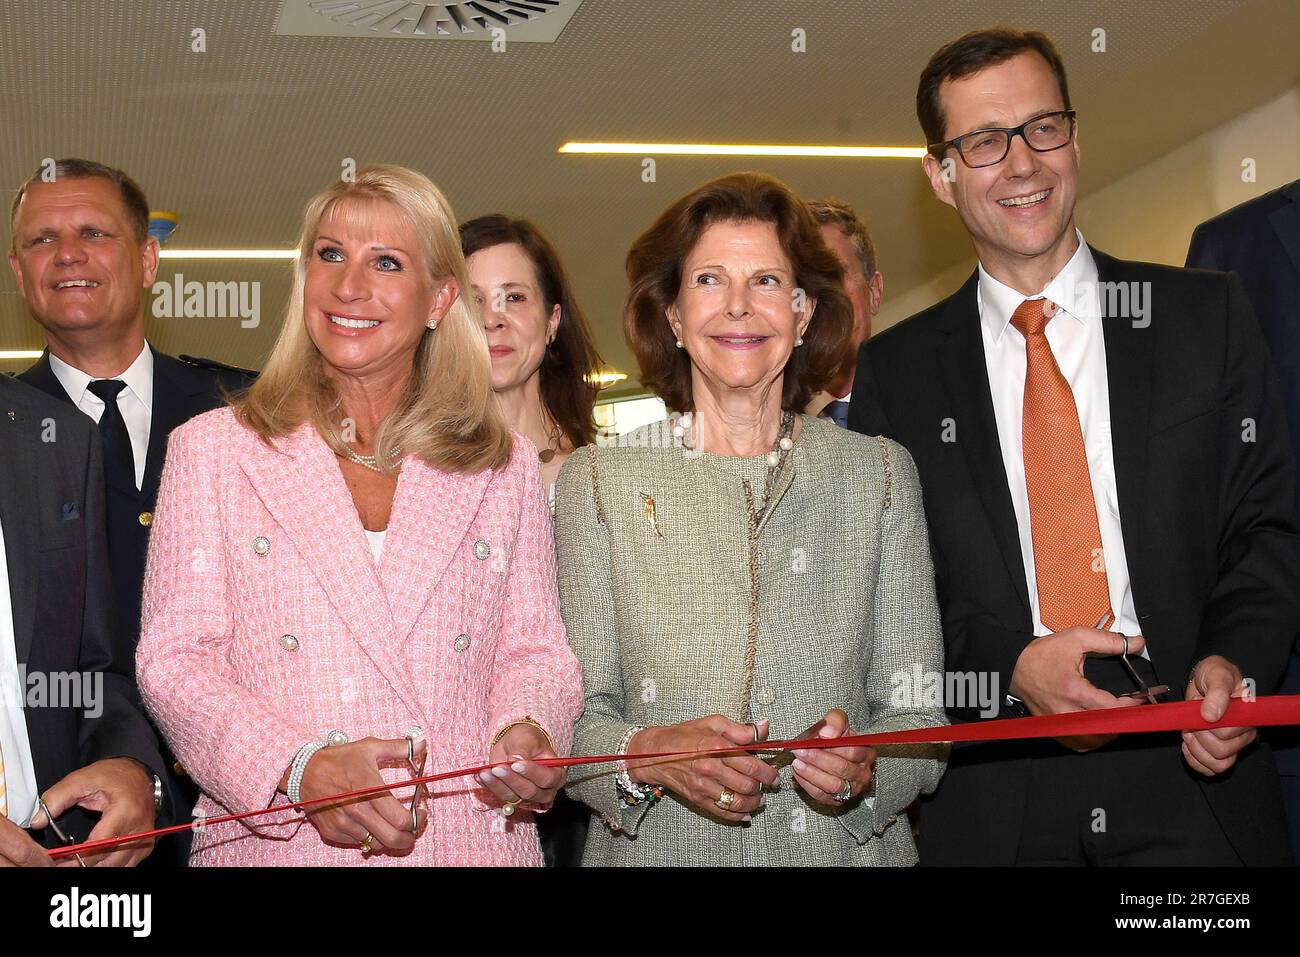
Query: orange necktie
(1068, 564)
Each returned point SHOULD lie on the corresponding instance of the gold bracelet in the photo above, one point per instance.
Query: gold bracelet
(527, 719)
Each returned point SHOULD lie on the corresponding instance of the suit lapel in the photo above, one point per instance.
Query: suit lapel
(310, 501)
(1286, 221)
(19, 516)
(1129, 349)
(432, 512)
(174, 402)
(41, 375)
(966, 380)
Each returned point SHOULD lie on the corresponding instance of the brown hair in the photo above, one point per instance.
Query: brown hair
(570, 363)
(654, 269)
(133, 200)
(827, 211)
(968, 55)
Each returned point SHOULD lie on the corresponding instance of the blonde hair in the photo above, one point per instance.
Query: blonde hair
(447, 415)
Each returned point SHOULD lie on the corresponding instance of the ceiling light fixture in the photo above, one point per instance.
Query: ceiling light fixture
(751, 149)
(229, 254)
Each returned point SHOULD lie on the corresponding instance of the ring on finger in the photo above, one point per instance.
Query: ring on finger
(367, 843)
(726, 799)
(846, 792)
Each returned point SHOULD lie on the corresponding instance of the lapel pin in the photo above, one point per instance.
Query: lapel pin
(648, 506)
(13, 417)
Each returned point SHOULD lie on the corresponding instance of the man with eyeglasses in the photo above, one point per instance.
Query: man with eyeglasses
(1108, 484)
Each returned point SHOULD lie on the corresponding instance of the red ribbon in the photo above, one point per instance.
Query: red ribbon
(1174, 716)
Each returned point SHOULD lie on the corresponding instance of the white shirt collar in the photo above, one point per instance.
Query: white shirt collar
(1074, 289)
(138, 378)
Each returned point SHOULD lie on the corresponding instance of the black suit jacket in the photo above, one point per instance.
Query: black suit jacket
(1209, 530)
(1260, 242)
(180, 392)
(51, 507)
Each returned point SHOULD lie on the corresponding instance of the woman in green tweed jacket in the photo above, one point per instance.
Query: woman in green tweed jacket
(741, 572)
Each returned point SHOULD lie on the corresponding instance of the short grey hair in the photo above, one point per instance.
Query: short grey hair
(843, 215)
(133, 198)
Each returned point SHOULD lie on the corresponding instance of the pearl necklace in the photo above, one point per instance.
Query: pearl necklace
(366, 461)
(775, 458)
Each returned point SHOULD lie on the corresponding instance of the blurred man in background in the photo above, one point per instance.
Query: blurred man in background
(846, 234)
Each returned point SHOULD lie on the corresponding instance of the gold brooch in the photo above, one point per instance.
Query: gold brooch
(648, 505)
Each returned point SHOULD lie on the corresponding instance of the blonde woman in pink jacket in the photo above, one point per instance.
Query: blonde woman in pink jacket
(357, 549)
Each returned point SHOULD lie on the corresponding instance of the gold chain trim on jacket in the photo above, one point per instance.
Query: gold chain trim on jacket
(751, 638)
(889, 478)
(595, 484)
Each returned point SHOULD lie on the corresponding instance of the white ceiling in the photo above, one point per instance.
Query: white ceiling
(236, 139)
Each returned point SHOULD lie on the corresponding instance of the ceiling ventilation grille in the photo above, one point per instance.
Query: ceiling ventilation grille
(526, 21)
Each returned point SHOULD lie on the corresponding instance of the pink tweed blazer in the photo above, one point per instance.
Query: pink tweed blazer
(267, 624)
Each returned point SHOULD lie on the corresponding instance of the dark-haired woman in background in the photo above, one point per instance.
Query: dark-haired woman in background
(543, 358)
(543, 367)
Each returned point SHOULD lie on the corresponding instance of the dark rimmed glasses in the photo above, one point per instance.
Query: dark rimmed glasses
(1044, 133)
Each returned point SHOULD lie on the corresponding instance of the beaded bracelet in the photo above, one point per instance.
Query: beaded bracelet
(629, 791)
(298, 767)
(304, 755)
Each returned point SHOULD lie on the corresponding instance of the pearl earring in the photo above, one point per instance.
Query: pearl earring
(680, 344)
(798, 342)
(432, 323)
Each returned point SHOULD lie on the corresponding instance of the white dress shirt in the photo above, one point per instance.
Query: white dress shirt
(135, 402)
(376, 542)
(1075, 335)
(20, 774)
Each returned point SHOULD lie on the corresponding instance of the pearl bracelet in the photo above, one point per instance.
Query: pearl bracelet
(299, 766)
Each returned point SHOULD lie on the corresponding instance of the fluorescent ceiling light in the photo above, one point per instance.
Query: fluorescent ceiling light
(605, 378)
(20, 353)
(229, 254)
(752, 149)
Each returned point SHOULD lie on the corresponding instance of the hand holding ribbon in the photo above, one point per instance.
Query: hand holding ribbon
(707, 779)
(516, 776)
(1215, 681)
(834, 776)
(345, 768)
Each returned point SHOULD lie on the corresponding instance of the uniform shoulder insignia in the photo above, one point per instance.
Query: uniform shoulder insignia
(212, 365)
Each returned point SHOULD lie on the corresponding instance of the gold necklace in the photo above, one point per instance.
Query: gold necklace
(548, 454)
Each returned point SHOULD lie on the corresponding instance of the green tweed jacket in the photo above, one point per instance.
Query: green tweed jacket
(694, 608)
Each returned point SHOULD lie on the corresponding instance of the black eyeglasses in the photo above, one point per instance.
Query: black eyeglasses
(989, 147)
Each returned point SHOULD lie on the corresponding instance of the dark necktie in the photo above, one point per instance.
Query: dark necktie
(119, 463)
(838, 412)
